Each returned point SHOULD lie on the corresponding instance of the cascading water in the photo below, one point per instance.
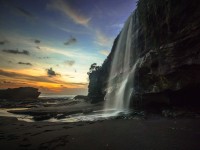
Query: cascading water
(120, 86)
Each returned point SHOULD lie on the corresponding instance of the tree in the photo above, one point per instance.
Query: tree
(93, 67)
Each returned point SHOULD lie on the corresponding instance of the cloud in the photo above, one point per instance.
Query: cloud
(120, 25)
(23, 52)
(37, 41)
(24, 12)
(66, 9)
(18, 40)
(18, 10)
(71, 30)
(43, 57)
(70, 41)
(14, 75)
(102, 39)
(3, 42)
(69, 62)
(67, 29)
(6, 82)
(72, 53)
(104, 52)
(51, 72)
(22, 63)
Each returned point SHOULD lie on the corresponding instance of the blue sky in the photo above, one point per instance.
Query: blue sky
(62, 39)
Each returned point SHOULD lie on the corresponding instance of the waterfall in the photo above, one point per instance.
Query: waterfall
(120, 86)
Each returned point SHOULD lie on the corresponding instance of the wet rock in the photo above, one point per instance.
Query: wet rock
(60, 116)
(78, 97)
(42, 117)
(87, 111)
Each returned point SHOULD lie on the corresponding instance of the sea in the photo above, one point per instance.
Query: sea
(50, 96)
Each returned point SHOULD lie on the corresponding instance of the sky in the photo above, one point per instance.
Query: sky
(50, 44)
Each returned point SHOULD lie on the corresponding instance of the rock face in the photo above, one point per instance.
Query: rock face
(165, 40)
(19, 93)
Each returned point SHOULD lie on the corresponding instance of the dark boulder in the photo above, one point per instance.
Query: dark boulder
(19, 93)
(83, 97)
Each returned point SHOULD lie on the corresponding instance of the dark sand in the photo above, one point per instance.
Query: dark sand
(135, 134)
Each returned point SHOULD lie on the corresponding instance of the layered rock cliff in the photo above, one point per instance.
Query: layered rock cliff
(165, 40)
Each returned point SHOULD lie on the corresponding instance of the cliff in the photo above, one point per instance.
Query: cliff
(165, 45)
(19, 93)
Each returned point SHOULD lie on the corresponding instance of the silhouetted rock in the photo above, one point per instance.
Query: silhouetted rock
(81, 97)
(87, 111)
(42, 117)
(165, 40)
(19, 93)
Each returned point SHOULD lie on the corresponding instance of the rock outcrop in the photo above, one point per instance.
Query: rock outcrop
(165, 40)
(19, 93)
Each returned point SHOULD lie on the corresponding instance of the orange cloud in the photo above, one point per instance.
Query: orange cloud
(12, 79)
(102, 39)
(65, 8)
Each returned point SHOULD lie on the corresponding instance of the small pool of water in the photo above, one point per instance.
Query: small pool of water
(4, 113)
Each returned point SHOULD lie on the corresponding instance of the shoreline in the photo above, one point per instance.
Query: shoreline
(71, 109)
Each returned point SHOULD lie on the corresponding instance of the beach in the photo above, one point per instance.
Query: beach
(137, 134)
(75, 124)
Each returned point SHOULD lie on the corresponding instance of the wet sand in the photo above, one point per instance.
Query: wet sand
(135, 134)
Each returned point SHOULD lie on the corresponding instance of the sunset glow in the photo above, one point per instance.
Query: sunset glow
(51, 44)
